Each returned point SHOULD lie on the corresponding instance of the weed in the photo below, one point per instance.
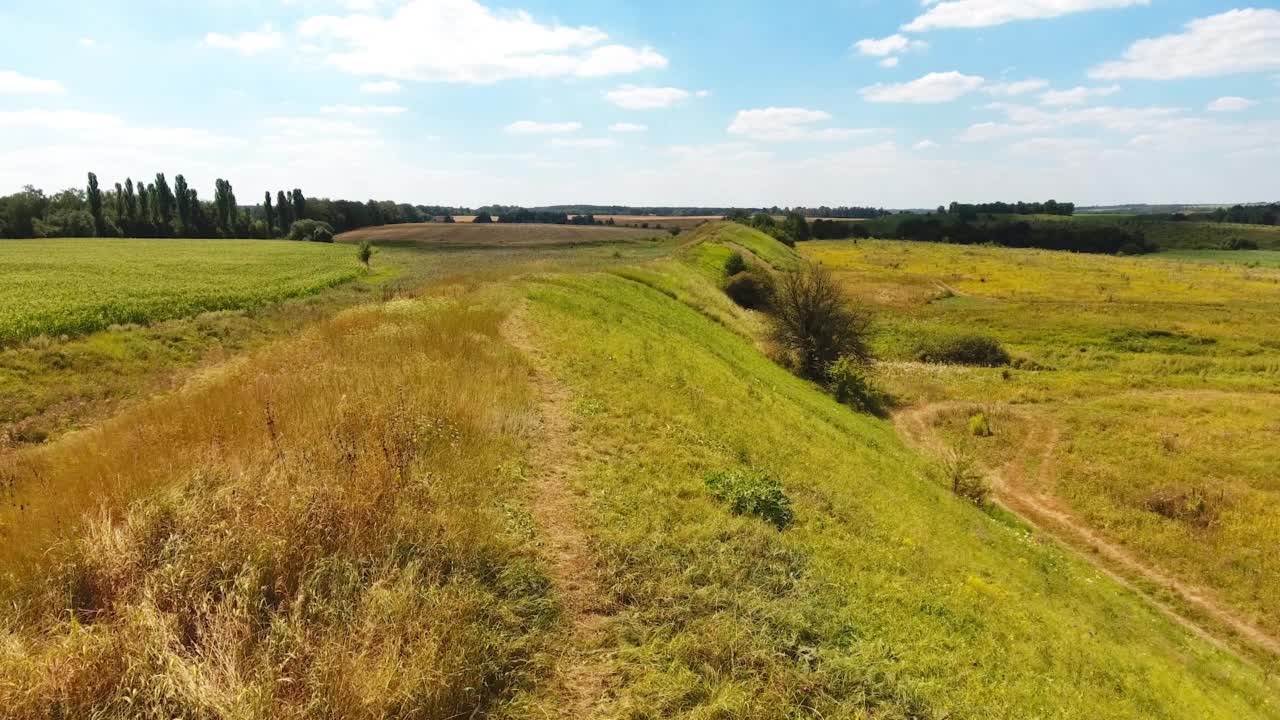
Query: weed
(961, 471)
(752, 492)
(980, 426)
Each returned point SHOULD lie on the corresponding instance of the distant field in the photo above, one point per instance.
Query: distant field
(466, 235)
(70, 287)
(684, 223)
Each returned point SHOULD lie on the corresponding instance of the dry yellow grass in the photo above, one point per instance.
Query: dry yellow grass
(328, 527)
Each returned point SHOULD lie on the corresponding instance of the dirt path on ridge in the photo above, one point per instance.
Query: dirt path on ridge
(1013, 487)
(581, 678)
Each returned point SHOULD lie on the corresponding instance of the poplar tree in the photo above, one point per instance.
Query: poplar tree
(163, 205)
(183, 200)
(130, 208)
(94, 196)
(271, 214)
(299, 205)
(286, 212)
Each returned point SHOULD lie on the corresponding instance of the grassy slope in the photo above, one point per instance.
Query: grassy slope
(889, 596)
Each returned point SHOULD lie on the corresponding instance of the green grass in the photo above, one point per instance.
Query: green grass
(1160, 373)
(885, 597)
(71, 287)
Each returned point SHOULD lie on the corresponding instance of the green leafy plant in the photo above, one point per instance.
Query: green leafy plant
(848, 381)
(751, 492)
(364, 252)
(980, 425)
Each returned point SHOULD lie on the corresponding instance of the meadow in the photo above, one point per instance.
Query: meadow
(72, 287)
(489, 493)
(1143, 394)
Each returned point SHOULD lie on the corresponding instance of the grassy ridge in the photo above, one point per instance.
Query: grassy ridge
(72, 287)
(888, 596)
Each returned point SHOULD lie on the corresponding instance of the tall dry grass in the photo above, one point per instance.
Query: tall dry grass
(324, 530)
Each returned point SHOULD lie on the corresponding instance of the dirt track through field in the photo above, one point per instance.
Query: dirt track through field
(1014, 489)
(581, 679)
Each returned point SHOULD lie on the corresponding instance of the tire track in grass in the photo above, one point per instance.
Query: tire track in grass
(581, 675)
(1012, 489)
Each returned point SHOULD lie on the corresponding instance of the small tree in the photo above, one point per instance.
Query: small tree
(816, 324)
(365, 252)
(483, 218)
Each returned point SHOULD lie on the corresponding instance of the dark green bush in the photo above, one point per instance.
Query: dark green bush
(847, 380)
(734, 264)
(311, 230)
(751, 289)
(978, 350)
(751, 492)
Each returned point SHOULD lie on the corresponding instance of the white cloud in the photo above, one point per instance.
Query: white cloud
(530, 127)
(87, 42)
(707, 93)
(628, 128)
(986, 13)
(1077, 95)
(889, 62)
(584, 143)
(892, 45)
(1237, 41)
(364, 110)
(250, 42)
(1019, 87)
(926, 145)
(1231, 104)
(932, 88)
(632, 97)
(296, 127)
(464, 41)
(14, 83)
(719, 154)
(788, 124)
(107, 129)
(1026, 120)
(380, 87)
(58, 120)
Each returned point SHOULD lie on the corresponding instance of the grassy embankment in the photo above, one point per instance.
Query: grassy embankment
(1159, 380)
(340, 524)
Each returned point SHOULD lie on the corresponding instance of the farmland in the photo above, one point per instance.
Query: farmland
(1143, 393)
(72, 287)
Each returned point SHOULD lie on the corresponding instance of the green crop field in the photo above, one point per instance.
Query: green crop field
(70, 287)
(1145, 392)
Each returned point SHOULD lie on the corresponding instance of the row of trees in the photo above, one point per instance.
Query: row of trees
(1071, 236)
(160, 210)
(971, 211)
(1241, 214)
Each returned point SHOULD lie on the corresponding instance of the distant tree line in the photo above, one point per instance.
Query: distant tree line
(1241, 214)
(793, 227)
(519, 215)
(970, 212)
(1056, 235)
(157, 209)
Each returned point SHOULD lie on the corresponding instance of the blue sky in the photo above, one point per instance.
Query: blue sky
(868, 102)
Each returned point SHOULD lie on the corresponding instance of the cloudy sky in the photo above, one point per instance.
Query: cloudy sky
(667, 102)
